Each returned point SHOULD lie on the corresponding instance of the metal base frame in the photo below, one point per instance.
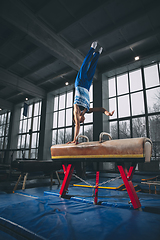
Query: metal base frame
(126, 177)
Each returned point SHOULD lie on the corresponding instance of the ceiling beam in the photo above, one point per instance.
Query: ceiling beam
(132, 42)
(40, 66)
(122, 23)
(81, 14)
(21, 17)
(60, 73)
(40, 5)
(129, 61)
(18, 83)
(21, 57)
(7, 41)
(5, 104)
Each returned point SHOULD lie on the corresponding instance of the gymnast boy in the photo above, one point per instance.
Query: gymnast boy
(82, 85)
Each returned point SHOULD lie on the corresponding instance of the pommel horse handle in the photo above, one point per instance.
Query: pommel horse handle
(83, 136)
(102, 134)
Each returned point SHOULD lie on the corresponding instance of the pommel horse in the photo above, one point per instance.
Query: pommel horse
(134, 150)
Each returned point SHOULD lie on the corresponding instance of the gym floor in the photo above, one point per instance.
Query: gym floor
(39, 213)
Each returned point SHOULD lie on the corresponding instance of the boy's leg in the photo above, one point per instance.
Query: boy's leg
(82, 74)
(86, 61)
(92, 66)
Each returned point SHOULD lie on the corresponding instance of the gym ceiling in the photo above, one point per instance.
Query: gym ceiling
(43, 42)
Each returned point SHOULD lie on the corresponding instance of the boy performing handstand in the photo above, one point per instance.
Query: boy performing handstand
(82, 85)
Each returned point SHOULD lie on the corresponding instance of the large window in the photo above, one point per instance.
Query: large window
(63, 126)
(29, 129)
(135, 97)
(62, 118)
(4, 129)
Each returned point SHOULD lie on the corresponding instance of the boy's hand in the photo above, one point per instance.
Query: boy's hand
(109, 113)
(74, 141)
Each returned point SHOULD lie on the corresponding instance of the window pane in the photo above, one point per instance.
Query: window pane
(7, 129)
(34, 140)
(91, 93)
(69, 99)
(29, 125)
(138, 127)
(153, 100)
(6, 142)
(20, 126)
(39, 120)
(21, 117)
(33, 153)
(56, 103)
(69, 117)
(68, 135)
(1, 131)
(2, 117)
(5, 118)
(40, 106)
(36, 150)
(9, 115)
(114, 130)
(3, 126)
(124, 129)
(112, 87)
(30, 107)
(137, 102)
(23, 141)
(154, 127)
(62, 101)
(19, 154)
(37, 140)
(55, 119)
(122, 84)
(24, 125)
(19, 142)
(123, 106)
(60, 136)
(54, 136)
(113, 106)
(1, 143)
(26, 154)
(81, 132)
(61, 118)
(36, 109)
(88, 117)
(154, 130)
(151, 76)
(35, 123)
(88, 131)
(27, 141)
(135, 80)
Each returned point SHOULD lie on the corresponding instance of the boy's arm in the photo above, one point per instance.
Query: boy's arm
(76, 129)
(77, 125)
(100, 109)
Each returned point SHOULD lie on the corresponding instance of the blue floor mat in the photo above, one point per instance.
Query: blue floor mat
(48, 217)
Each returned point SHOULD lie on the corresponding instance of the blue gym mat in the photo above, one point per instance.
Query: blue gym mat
(39, 213)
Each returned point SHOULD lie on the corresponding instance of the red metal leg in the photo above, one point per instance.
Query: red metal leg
(131, 172)
(96, 189)
(67, 179)
(64, 168)
(127, 177)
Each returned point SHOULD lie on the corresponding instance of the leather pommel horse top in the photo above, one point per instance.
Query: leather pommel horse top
(130, 149)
